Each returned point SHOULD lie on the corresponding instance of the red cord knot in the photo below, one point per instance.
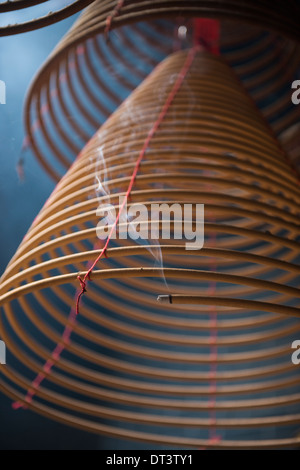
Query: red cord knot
(82, 283)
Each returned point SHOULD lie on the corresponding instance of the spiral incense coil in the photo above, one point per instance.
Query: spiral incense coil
(88, 76)
(53, 16)
(140, 369)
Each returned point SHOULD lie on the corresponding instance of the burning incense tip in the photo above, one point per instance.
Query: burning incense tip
(165, 299)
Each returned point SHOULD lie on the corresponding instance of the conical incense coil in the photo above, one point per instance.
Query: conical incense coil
(86, 77)
(213, 370)
(52, 14)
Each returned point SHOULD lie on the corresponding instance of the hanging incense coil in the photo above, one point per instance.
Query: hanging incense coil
(140, 369)
(52, 14)
(86, 78)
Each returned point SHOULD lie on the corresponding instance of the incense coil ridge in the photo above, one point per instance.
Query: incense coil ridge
(86, 78)
(53, 15)
(133, 362)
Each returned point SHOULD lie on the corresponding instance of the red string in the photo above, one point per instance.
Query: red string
(55, 356)
(110, 18)
(177, 85)
(207, 34)
(214, 438)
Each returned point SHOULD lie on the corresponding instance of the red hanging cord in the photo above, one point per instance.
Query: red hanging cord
(214, 438)
(207, 34)
(176, 87)
(55, 356)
